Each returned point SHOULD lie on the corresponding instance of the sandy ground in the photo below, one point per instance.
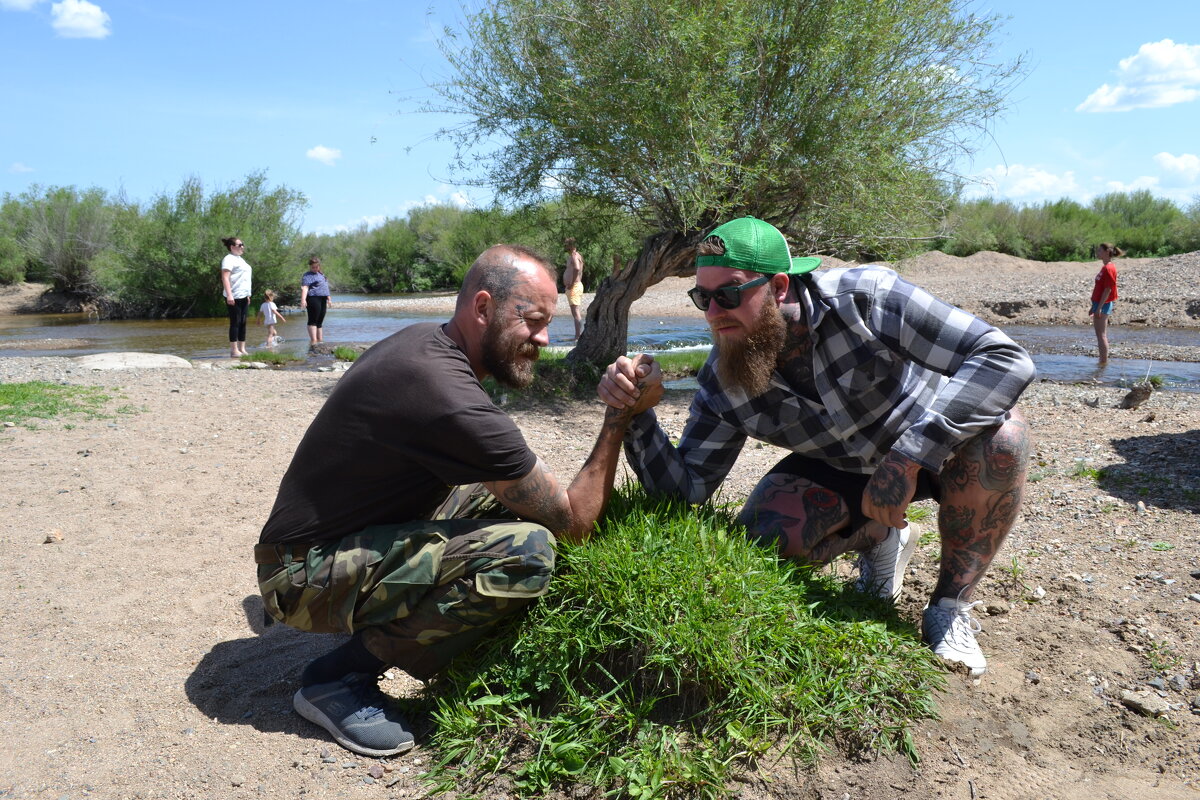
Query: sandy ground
(133, 662)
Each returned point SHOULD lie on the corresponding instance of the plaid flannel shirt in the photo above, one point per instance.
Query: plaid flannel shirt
(894, 368)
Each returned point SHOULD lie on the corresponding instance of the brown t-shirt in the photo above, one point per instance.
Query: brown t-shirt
(405, 424)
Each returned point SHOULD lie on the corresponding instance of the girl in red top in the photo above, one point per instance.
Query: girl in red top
(1104, 294)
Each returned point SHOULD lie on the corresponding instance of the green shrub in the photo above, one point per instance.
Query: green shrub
(12, 261)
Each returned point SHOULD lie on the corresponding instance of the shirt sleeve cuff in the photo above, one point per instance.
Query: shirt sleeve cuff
(915, 444)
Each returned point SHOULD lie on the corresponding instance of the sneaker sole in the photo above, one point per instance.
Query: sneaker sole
(317, 717)
(955, 665)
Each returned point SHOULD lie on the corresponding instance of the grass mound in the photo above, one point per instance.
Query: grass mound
(671, 654)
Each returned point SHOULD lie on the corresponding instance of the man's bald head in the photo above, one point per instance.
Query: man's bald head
(498, 270)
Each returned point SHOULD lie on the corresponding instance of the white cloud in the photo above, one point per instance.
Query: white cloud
(1183, 169)
(362, 223)
(1160, 74)
(1021, 183)
(18, 168)
(1148, 182)
(79, 19)
(326, 155)
(18, 5)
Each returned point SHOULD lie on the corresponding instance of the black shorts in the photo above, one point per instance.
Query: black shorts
(849, 485)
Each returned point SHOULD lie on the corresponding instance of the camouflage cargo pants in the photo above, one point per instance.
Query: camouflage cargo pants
(420, 592)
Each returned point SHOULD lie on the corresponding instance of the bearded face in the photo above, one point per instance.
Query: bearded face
(506, 356)
(748, 361)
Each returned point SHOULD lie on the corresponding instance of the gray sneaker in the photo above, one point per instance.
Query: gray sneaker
(948, 627)
(881, 569)
(357, 714)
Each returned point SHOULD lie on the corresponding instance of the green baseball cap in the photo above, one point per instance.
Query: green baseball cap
(753, 244)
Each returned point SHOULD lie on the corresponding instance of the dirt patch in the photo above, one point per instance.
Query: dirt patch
(21, 298)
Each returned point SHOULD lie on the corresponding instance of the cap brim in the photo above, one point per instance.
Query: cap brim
(803, 264)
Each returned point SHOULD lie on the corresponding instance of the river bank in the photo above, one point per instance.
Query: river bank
(1005, 291)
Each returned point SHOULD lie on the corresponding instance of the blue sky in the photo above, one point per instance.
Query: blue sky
(138, 95)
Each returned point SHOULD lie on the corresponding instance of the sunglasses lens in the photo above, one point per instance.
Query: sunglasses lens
(728, 297)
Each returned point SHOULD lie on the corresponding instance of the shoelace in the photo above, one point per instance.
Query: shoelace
(373, 699)
(961, 619)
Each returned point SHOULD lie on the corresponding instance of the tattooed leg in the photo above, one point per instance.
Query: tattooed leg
(981, 496)
(801, 518)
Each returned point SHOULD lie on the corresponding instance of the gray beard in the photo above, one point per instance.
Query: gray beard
(501, 358)
(749, 363)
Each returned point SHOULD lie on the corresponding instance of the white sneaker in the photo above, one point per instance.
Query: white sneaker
(881, 569)
(949, 629)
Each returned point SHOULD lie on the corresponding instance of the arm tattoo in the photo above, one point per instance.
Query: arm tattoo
(540, 497)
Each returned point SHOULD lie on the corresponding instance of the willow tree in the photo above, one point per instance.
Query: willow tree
(839, 121)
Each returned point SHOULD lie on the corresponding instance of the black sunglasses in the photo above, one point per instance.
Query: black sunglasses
(726, 296)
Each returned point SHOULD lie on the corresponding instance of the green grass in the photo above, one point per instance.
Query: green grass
(21, 403)
(271, 357)
(1083, 470)
(343, 353)
(669, 656)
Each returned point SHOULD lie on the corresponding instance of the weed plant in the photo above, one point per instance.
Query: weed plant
(22, 402)
(271, 357)
(669, 655)
(344, 353)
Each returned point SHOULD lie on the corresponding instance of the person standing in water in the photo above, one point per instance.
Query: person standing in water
(315, 299)
(1103, 295)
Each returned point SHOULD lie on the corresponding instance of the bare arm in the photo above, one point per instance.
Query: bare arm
(572, 512)
(228, 287)
(304, 296)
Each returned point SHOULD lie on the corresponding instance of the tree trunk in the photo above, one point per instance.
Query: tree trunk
(606, 334)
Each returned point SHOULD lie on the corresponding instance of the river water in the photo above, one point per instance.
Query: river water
(76, 334)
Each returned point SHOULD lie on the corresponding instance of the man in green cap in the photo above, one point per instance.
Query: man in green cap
(883, 393)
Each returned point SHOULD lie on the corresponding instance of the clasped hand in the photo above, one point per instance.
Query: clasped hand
(890, 490)
(632, 384)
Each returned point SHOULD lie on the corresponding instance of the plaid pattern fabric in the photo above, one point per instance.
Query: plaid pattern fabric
(894, 368)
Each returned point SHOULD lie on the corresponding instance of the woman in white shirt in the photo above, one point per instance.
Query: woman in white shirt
(235, 278)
